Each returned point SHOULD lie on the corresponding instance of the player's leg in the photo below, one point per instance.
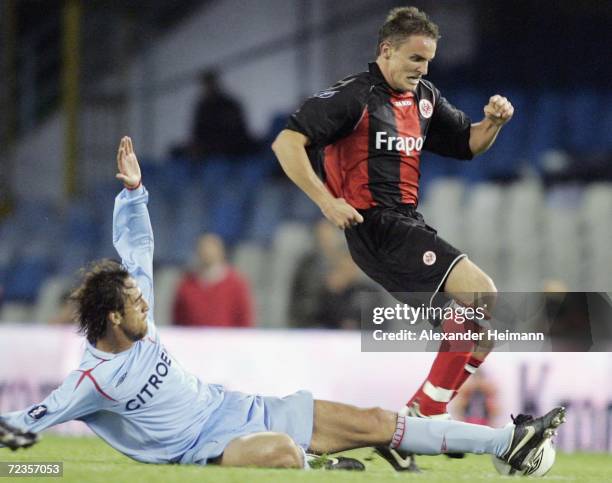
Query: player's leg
(456, 361)
(397, 249)
(471, 286)
(266, 450)
(339, 427)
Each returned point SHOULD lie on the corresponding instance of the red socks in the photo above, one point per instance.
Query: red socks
(439, 387)
(470, 368)
(451, 368)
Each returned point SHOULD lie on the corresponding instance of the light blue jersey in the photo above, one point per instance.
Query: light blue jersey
(141, 401)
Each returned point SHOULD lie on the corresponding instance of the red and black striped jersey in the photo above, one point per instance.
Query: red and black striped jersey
(366, 139)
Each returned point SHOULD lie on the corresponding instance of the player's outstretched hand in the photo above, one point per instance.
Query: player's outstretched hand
(499, 110)
(127, 164)
(341, 214)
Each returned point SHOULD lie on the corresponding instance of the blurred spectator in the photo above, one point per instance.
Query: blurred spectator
(569, 323)
(343, 295)
(214, 294)
(476, 402)
(65, 314)
(558, 166)
(311, 271)
(570, 317)
(219, 127)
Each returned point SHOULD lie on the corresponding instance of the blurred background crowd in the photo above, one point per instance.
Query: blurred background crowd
(204, 86)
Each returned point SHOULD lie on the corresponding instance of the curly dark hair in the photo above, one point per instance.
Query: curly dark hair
(402, 22)
(101, 292)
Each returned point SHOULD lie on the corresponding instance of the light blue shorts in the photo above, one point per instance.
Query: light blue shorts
(241, 414)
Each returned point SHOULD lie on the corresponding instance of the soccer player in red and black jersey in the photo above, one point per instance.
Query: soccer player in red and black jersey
(355, 150)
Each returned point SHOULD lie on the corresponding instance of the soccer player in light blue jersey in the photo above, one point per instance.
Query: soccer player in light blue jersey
(133, 394)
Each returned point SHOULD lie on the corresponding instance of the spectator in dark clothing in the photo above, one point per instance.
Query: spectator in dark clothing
(311, 272)
(219, 127)
(343, 295)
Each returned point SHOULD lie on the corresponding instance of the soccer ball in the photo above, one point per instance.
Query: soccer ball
(542, 457)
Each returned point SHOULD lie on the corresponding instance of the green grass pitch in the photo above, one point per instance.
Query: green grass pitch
(91, 460)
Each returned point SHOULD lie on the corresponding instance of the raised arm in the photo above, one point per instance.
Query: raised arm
(132, 231)
(497, 112)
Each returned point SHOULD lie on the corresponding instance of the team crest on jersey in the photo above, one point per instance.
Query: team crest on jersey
(429, 258)
(425, 108)
(37, 412)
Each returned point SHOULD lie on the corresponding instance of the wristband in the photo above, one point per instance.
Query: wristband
(135, 187)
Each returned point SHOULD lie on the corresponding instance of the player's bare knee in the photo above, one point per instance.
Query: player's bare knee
(489, 285)
(482, 285)
(491, 289)
(283, 452)
(474, 288)
(466, 279)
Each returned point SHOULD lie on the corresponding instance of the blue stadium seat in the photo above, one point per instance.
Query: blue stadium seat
(227, 216)
(279, 121)
(545, 124)
(34, 219)
(213, 175)
(81, 224)
(301, 208)
(604, 123)
(191, 218)
(3, 279)
(155, 177)
(252, 170)
(33, 212)
(76, 255)
(102, 198)
(581, 132)
(174, 172)
(469, 101)
(504, 159)
(267, 211)
(25, 278)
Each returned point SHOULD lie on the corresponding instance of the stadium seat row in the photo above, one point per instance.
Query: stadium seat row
(519, 234)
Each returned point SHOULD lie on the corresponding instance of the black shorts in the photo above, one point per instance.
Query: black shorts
(397, 249)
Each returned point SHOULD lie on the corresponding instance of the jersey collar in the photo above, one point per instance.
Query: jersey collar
(379, 78)
(98, 354)
(377, 73)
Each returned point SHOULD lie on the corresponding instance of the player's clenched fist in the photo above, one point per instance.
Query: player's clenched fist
(499, 110)
(341, 214)
(127, 164)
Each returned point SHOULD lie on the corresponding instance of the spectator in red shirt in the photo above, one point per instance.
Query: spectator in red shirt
(214, 294)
